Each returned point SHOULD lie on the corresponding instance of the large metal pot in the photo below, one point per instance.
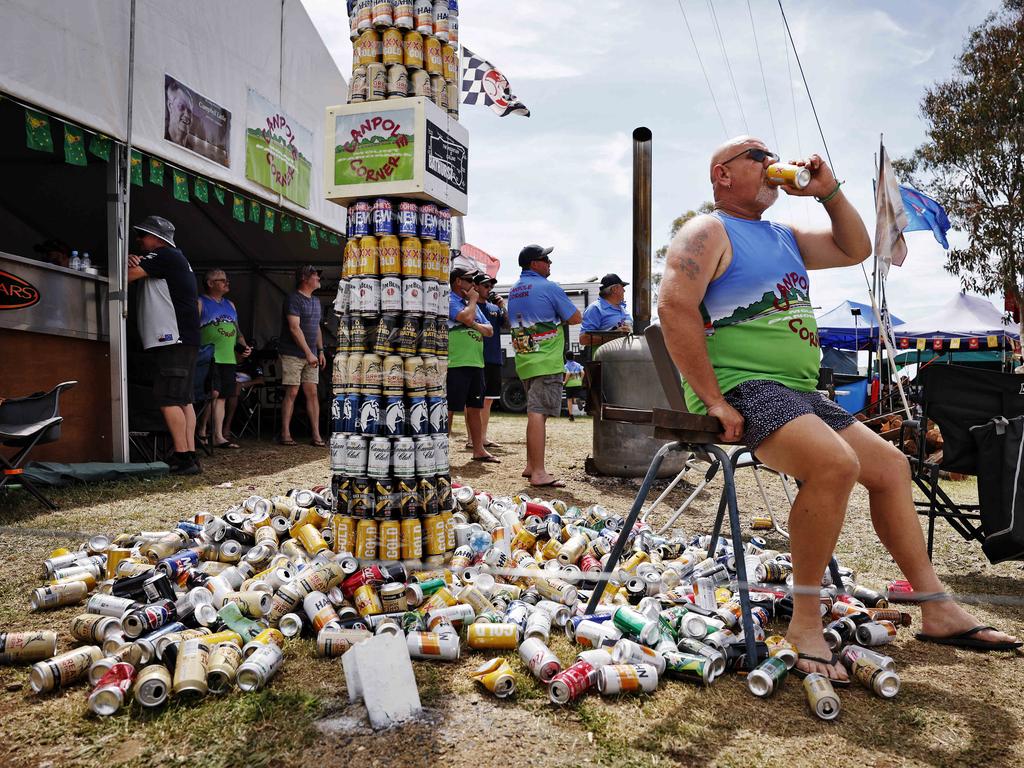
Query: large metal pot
(628, 379)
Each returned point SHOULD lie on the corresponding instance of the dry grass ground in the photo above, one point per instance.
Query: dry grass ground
(955, 708)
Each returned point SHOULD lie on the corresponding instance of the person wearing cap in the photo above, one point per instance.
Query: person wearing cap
(54, 251)
(574, 378)
(608, 313)
(497, 315)
(301, 350)
(169, 326)
(538, 309)
(467, 329)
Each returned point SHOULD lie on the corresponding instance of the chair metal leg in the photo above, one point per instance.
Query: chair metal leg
(729, 494)
(634, 512)
(671, 487)
(708, 477)
(29, 486)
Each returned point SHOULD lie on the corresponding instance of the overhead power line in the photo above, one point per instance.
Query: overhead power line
(806, 87)
(728, 66)
(764, 81)
(711, 90)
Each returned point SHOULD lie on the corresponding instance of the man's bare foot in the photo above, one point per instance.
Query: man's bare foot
(527, 472)
(945, 618)
(811, 642)
(545, 480)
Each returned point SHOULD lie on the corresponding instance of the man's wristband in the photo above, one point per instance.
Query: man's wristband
(830, 195)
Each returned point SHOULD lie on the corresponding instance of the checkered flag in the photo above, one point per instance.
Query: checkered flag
(482, 83)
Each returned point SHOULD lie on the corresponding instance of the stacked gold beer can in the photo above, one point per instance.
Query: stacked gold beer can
(389, 443)
(405, 48)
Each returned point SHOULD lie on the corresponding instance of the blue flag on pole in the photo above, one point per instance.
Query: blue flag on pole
(924, 213)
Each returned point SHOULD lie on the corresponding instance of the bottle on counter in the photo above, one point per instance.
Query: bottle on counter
(86, 262)
(76, 262)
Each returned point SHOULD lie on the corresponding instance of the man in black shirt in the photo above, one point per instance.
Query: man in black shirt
(169, 326)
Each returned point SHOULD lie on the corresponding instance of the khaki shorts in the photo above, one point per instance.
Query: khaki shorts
(544, 394)
(295, 370)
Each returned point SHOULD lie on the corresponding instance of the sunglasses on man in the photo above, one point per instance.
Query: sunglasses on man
(755, 154)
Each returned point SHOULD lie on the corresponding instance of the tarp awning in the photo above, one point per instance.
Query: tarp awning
(851, 325)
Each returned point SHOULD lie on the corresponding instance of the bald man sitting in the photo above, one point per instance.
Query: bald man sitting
(737, 318)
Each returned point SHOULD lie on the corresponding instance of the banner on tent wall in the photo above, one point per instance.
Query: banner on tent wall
(278, 151)
(194, 122)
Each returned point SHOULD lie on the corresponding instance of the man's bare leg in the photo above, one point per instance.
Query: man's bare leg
(808, 449)
(885, 473)
(291, 391)
(536, 426)
(476, 433)
(309, 389)
(174, 417)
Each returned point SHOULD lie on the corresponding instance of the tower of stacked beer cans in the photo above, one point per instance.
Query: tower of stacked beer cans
(405, 48)
(389, 446)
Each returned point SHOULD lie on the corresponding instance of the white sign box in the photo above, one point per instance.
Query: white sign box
(396, 148)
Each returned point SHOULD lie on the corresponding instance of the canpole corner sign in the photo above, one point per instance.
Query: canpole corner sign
(16, 293)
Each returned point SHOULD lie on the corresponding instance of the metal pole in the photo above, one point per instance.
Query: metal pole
(641, 229)
(118, 204)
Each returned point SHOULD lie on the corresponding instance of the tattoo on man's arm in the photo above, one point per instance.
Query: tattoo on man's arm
(690, 267)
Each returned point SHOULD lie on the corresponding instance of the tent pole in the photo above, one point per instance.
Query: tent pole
(118, 207)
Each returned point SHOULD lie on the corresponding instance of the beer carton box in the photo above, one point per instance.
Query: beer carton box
(396, 148)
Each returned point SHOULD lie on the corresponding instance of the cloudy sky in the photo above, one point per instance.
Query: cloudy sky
(592, 70)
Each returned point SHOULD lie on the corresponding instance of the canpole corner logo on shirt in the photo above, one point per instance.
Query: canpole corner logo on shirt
(16, 292)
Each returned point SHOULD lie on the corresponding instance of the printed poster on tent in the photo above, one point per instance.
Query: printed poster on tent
(195, 122)
(278, 151)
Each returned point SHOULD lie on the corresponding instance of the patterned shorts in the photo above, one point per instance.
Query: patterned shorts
(767, 406)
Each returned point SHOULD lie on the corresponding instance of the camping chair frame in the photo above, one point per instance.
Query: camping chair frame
(956, 398)
(44, 410)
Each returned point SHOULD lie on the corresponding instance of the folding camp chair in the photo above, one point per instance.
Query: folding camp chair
(201, 392)
(696, 434)
(956, 398)
(26, 422)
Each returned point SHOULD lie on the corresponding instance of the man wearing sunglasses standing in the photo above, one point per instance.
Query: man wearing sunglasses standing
(738, 322)
(301, 347)
(538, 309)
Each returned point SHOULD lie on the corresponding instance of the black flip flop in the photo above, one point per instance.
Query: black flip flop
(552, 484)
(227, 444)
(968, 640)
(828, 662)
(487, 459)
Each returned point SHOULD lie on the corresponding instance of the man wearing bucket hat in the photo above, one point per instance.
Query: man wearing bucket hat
(608, 313)
(738, 321)
(538, 309)
(467, 329)
(168, 317)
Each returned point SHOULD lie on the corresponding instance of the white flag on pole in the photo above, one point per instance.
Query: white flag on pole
(890, 247)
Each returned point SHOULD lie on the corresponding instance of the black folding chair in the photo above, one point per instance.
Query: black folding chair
(26, 422)
(956, 398)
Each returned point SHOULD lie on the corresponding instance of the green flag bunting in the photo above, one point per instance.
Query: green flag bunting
(180, 185)
(286, 223)
(237, 208)
(334, 239)
(313, 241)
(218, 192)
(298, 225)
(99, 146)
(37, 131)
(74, 145)
(268, 219)
(136, 168)
(254, 212)
(202, 191)
(156, 172)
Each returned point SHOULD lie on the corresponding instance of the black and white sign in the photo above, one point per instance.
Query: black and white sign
(447, 159)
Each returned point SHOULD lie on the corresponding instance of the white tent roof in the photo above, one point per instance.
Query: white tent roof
(963, 315)
(70, 57)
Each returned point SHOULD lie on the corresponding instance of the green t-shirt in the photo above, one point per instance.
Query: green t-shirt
(218, 325)
(465, 345)
(758, 318)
